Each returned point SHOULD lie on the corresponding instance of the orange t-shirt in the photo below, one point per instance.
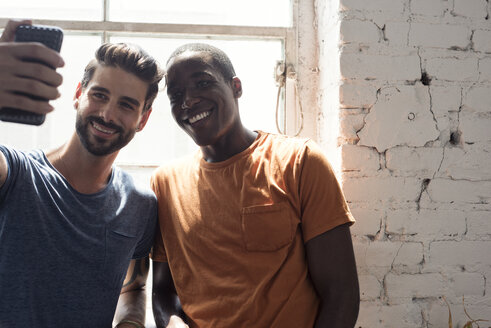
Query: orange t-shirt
(233, 232)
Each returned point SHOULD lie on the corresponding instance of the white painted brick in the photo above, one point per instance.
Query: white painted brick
(482, 40)
(414, 285)
(471, 163)
(467, 253)
(439, 35)
(356, 31)
(397, 33)
(445, 98)
(356, 158)
(410, 254)
(485, 69)
(357, 95)
(367, 221)
(453, 69)
(411, 161)
(475, 127)
(373, 189)
(373, 315)
(370, 287)
(428, 7)
(360, 250)
(383, 67)
(478, 98)
(381, 253)
(401, 116)
(479, 225)
(459, 191)
(349, 125)
(470, 8)
(373, 5)
(426, 224)
(467, 284)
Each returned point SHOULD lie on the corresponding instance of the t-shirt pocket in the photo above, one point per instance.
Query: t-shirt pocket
(120, 246)
(267, 228)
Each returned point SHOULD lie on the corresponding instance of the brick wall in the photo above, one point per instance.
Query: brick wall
(414, 110)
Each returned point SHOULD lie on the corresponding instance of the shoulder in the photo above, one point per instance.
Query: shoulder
(177, 167)
(126, 184)
(283, 147)
(14, 156)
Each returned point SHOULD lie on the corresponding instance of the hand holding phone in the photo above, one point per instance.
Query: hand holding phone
(51, 37)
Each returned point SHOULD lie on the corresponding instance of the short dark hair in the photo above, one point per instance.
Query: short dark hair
(132, 59)
(220, 58)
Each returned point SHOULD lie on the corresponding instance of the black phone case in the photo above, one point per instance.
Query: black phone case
(50, 36)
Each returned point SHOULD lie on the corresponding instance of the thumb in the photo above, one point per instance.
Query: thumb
(9, 31)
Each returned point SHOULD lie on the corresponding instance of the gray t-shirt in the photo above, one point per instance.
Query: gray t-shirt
(63, 254)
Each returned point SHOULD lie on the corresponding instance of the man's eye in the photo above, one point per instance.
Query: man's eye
(175, 96)
(127, 105)
(99, 95)
(203, 84)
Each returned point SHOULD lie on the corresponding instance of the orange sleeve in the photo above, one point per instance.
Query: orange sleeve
(322, 201)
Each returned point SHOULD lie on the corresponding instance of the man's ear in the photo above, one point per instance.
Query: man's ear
(144, 119)
(78, 92)
(237, 87)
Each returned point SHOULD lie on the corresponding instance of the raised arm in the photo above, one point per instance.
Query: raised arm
(332, 267)
(18, 76)
(166, 306)
(131, 308)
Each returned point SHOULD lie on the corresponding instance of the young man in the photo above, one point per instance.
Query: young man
(254, 228)
(70, 221)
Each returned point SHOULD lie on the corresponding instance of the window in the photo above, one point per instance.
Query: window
(255, 34)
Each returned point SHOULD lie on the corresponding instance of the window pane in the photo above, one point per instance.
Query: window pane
(215, 12)
(254, 61)
(53, 9)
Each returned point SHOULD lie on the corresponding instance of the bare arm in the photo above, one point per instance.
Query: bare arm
(132, 300)
(332, 268)
(165, 302)
(18, 76)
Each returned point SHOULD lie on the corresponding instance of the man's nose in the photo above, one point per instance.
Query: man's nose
(108, 111)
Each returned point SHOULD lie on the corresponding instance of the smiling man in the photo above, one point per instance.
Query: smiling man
(71, 221)
(254, 228)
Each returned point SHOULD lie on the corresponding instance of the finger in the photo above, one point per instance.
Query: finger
(39, 72)
(9, 31)
(31, 87)
(37, 51)
(25, 103)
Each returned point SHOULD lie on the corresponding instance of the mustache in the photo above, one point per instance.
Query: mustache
(109, 125)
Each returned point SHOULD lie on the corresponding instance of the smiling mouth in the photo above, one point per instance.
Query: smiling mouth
(102, 129)
(199, 117)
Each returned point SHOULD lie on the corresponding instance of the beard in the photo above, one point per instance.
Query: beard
(99, 146)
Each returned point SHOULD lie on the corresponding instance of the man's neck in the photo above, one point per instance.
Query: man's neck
(229, 146)
(85, 172)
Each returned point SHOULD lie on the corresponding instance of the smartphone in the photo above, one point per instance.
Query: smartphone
(50, 36)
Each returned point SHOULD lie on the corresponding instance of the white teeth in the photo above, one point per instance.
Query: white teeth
(199, 117)
(100, 128)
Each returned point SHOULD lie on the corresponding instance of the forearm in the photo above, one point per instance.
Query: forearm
(167, 310)
(131, 306)
(339, 311)
(132, 300)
